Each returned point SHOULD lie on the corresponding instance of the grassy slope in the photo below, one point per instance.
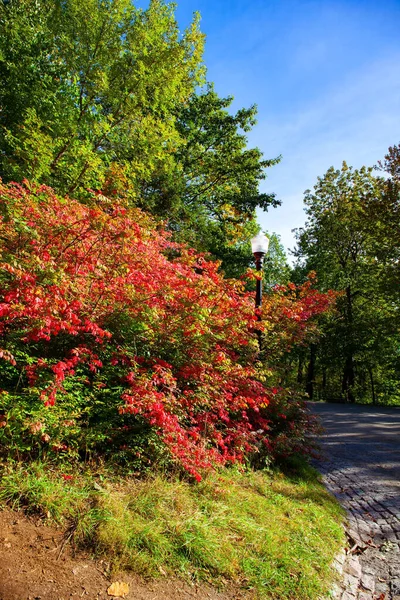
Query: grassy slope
(268, 532)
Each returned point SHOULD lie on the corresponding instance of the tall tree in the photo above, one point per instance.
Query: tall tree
(211, 197)
(88, 102)
(387, 247)
(276, 267)
(339, 241)
(119, 103)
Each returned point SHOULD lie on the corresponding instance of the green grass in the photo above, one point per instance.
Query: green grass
(272, 533)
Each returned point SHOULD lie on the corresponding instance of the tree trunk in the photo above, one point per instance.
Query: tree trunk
(348, 380)
(371, 376)
(311, 371)
(300, 370)
(348, 370)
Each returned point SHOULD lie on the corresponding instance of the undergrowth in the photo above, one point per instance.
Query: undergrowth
(269, 532)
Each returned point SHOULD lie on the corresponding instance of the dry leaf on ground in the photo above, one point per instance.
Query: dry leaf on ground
(118, 589)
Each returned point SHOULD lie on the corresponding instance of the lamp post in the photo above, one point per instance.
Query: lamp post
(259, 247)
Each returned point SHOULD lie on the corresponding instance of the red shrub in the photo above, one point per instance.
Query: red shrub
(113, 328)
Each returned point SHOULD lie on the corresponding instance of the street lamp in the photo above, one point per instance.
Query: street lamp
(259, 247)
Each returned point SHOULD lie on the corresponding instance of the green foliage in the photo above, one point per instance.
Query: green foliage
(276, 268)
(91, 101)
(220, 177)
(387, 223)
(220, 173)
(348, 241)
(118, 102)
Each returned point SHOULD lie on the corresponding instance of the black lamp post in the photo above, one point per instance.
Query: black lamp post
(259, 246)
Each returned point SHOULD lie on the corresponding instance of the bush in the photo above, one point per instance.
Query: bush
(117, 341)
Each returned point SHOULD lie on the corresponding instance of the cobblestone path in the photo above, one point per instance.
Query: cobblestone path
(360, 463)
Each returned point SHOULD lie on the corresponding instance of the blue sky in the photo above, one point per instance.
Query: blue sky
(325, 76)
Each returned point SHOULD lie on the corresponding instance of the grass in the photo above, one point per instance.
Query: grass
(273, 533)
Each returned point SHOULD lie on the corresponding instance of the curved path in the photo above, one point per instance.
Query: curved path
(360, 463)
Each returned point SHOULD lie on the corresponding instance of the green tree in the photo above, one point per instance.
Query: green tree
(210, 199)
(89, 102)
(119, 103)
(339, 241)
(220, 173)
(276, 268)
(387, 247)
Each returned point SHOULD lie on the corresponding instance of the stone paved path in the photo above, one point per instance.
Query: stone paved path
(360, 463)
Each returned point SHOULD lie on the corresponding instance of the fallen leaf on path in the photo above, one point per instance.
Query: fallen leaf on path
(118, 589)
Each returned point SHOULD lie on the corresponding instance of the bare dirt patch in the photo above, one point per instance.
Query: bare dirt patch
(36, 564)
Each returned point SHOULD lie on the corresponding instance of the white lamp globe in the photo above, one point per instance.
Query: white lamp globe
(259, 244)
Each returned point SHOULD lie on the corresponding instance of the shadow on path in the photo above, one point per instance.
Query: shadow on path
(360, 463)
(363, 437)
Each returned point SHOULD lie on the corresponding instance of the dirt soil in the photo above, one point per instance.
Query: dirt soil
(37, 564)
